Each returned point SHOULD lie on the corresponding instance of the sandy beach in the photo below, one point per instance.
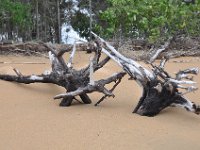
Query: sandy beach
(31, 120)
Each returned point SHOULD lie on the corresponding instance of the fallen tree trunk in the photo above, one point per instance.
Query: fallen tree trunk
(160, 90)
(76, 82)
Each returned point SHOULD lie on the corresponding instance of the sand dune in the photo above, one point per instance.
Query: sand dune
(31, 120)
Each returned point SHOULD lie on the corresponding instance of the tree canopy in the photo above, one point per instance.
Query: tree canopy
(152, 19)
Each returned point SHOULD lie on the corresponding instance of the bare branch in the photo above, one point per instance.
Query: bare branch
(186, 104)
(159, 71)
(184, 73)
(69, 64)
(62, 52)
(153, 58)
(188, 89)
(180, 82)
(5, 62)
(91, 72)
(159, 51)
(55, 63)
(101, 63)
(29, 79)
(163, 62)
(97, 64)
(73, 93)
(98, 86)
(129, 63)
(59, 58)
(111, 90)
(17, 72)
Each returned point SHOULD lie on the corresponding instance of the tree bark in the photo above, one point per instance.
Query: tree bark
(37, 21)
(160, 89)
(76, 82)
(58, 34)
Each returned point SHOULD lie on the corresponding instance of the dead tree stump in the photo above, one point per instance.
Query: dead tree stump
(160, 90)
(76, 82)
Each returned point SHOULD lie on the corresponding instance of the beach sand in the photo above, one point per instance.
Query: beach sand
(31, 120)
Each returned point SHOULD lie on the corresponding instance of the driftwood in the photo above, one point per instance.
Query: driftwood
(29, 48)
(6, 62)
(76, 82)
(38, 48)
(160, 89)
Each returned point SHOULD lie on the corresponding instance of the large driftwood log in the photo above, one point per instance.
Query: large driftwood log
(160, 89)
(76, 82)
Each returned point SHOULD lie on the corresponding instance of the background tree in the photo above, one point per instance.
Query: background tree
(151, 19)
(14, 18)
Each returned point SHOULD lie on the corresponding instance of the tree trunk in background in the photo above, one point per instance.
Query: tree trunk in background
(58, 33)
(10, 36)
(37, 21)
(90, 7)
(45, 21)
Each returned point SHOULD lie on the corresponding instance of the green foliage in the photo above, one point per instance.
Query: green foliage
(152, 19)
(80, 23)
(17, 13)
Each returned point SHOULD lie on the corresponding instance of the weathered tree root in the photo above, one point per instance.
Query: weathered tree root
(157, 96)
(160, 90)
(76, 82)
